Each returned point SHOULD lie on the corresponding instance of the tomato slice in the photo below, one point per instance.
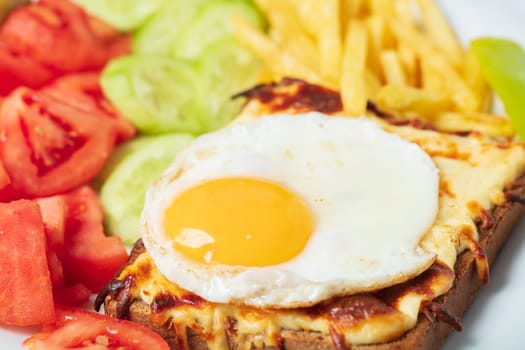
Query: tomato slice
(4, 176)
(82, 91)
(17, 70)
(74, 295)
(26, 296)
(49, 147)
(89, 257)
(81, 329)
(60, 35)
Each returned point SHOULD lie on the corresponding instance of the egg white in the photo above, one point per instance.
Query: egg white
(373, 196)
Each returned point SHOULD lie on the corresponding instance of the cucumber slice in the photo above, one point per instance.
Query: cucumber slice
(163, 29)
(503, 65)
(157, 94)
(133, 166)
(226, 68)
(212, 22)
(124, 15)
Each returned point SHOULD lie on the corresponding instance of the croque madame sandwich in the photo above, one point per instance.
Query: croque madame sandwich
(296, 227)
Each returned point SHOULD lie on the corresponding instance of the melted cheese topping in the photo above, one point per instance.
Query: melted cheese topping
(473, 171)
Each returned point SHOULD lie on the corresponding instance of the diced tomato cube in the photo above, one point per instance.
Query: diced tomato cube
(26, 296)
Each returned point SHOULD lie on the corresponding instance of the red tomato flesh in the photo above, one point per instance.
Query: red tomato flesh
(49, 147)
(26, 296)
(89, 257)
(82, 329)
(82, 91)
(60, 35)
(17, 70)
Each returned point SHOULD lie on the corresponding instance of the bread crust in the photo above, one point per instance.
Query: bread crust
(426, 334)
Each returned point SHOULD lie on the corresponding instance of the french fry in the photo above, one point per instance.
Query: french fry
(423, 103)
(382, 8)
(352, 9)
(487, 124)
(281, 63)
(375, 25)
(315, 14)
(438, 75)
(328, 37)
(373, 84)
(440, 32)
(475, 80)
(410, 64)
(353, 82)
(392, 69)
(285, 20)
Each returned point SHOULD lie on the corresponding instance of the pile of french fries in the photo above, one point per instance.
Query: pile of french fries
(401, 55)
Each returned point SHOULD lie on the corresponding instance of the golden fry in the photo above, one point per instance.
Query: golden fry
(475, 80)
(289, 36)
(440, 32)
(392, 69)
(377, 42)
(423, 103)
(353, 81)
(487, 124)
(438, 75)
(280, 63)
(320, 18)
(410, 65)
(373, 84)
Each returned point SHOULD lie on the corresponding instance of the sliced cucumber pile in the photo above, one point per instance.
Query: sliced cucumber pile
(159, 87)
(131, 169)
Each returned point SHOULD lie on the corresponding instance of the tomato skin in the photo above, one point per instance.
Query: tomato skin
(26, 296)
(17, 70)
(90, 257)
(75, 295)
(83, 91)
(4, 176)
(78, 328)
(60, 35)
(49, 147)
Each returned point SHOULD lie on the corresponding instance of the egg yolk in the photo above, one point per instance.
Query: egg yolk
(239, 221)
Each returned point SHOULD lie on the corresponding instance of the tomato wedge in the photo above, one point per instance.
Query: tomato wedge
(49, 147)
(26, 296)
(17, 70)
(82, 91)
(89, 256)
(81, 329)
(60, 35)
(4, 176)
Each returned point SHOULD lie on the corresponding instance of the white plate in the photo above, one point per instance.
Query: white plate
(495, 319)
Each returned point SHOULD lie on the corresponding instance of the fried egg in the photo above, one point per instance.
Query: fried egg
(289, 210)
